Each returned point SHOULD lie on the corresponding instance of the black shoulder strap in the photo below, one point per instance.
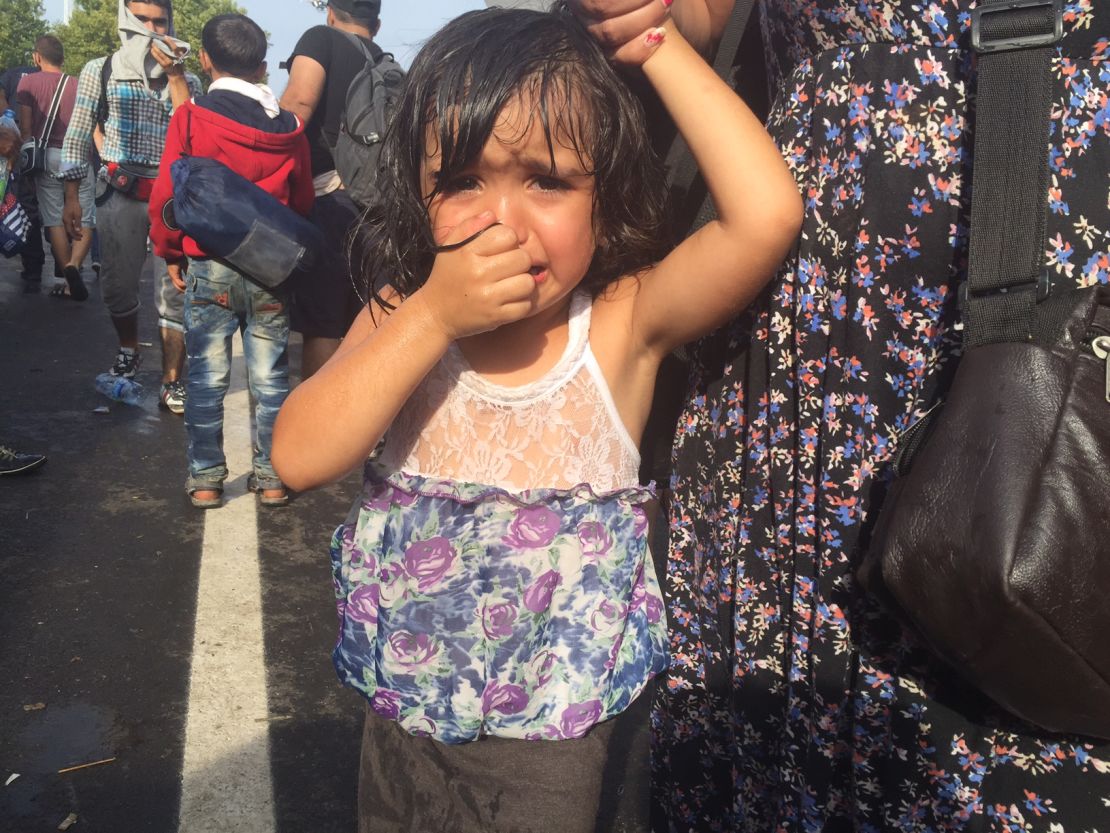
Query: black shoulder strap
(681, 167)
(102, 102)
(1014, 40)
(363, 48)
(187, 149)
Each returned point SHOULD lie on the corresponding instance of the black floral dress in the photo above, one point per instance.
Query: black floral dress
(794, 702)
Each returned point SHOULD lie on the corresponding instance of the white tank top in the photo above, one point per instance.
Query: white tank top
(557, 432)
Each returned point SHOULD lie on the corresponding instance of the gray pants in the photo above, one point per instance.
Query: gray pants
(411, 784)
(124, 226)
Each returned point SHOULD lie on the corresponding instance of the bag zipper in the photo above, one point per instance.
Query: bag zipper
(909, 440)
(1100, 346)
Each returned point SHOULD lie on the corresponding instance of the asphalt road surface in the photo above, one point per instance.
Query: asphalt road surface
(184, 654)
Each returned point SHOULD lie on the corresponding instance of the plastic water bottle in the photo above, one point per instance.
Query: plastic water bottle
(7, 122)
(120, 388)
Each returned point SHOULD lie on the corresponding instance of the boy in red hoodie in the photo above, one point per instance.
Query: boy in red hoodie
(239, 124)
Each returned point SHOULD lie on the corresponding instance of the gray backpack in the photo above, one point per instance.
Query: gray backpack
(371, 99)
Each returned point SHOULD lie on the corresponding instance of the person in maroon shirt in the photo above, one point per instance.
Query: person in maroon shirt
(35, 95)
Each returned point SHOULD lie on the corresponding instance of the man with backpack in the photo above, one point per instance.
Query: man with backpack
(131, 95)
(324, 62)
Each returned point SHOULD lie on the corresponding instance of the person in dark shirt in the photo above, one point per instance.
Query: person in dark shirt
(9, 83)
(321, 68)
(33, 256)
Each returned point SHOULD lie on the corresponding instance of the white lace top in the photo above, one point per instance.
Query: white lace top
(558, 432)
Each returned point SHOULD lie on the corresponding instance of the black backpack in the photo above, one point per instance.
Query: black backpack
(371, 99)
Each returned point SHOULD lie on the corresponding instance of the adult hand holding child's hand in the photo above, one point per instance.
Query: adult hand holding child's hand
(480, 279)
(623, 28)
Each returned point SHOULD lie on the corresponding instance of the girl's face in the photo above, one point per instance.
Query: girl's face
(551, 212)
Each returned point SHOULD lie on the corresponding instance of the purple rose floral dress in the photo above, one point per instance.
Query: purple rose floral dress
(794, 703)
(494, 578)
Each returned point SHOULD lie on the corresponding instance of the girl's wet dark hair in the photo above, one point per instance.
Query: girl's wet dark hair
(458, 85)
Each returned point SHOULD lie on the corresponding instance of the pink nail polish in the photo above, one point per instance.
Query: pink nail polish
(654, 37)
(667, 3)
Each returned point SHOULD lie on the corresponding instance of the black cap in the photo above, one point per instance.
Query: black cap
(362, 9)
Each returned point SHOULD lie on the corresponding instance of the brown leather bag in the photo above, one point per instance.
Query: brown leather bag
(994, 538)
(995, 541)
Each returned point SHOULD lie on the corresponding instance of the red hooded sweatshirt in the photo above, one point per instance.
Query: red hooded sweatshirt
(276, 162)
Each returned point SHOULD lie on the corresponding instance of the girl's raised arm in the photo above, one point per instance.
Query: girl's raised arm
(717, 271)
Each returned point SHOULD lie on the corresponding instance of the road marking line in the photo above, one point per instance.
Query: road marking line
(226, 775)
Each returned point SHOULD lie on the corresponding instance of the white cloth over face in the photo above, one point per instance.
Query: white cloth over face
(256, 92)
(133, 61)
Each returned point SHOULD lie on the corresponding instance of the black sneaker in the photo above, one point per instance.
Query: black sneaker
(31, 283)
(127, 364)
(173, 397)
(16, 462)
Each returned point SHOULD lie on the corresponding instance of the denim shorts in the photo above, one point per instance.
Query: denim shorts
(51, 193)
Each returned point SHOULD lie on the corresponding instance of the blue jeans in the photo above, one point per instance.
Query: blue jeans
(219, 301)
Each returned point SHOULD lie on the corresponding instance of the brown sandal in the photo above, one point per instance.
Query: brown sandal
(268, 497)
(77, 289)
(206, 502)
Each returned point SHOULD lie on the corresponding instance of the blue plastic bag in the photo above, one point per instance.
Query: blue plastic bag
(234, 220)
(14, 225)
